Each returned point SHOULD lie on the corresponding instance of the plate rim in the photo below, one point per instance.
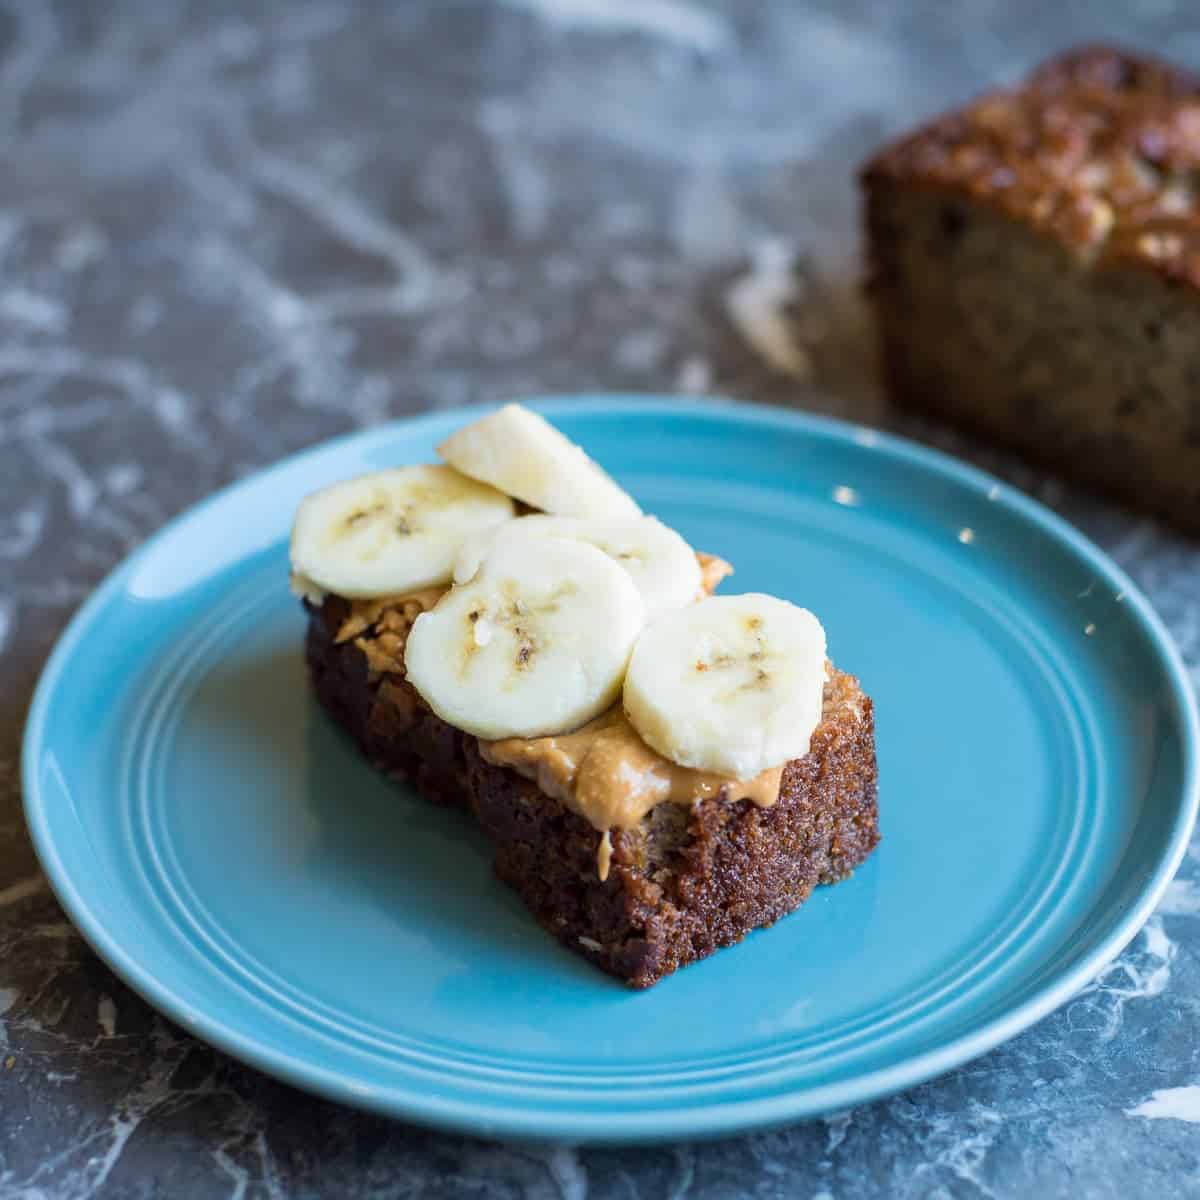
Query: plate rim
(490, 1117)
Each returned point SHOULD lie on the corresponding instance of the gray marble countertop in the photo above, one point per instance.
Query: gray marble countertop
(228, 231)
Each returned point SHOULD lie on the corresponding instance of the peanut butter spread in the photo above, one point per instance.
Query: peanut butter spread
(379, 628)
(604, 855)
(712, 571)
(611, 778)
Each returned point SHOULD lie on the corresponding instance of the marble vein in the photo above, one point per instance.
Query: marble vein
(1182, 899)
(14, 893)
(688, 25)
(1173, 1104)
(347, 217)
(757, 305)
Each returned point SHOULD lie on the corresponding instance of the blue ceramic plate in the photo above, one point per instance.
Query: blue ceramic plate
(224, 849)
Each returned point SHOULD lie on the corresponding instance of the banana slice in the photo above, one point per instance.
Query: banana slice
(659, 561)
(522, 454)
(389, 532)
(731, 684)
(535, 644)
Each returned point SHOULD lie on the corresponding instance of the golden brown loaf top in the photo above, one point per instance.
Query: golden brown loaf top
(1099, 149)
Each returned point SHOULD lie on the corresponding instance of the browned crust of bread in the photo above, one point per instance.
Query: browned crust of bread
(684, 883)
(1098, 149)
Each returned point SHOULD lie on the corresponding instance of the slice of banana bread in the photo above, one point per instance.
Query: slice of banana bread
(1034, 267)
(683, 883)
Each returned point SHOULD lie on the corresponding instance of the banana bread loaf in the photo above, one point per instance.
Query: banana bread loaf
(1034, 268)
(638, 902)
